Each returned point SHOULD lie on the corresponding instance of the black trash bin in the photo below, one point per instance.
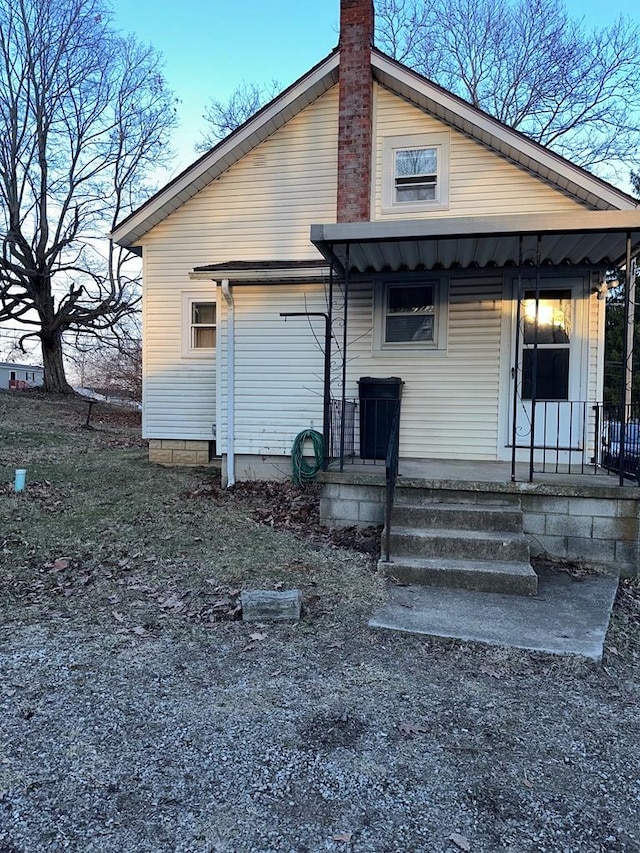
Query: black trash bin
(379, 399)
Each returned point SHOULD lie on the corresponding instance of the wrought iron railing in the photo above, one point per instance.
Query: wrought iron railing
(391, 470)
(618, 448)
(336, 434)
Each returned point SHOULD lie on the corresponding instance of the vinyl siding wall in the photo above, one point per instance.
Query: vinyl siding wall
(482, 183)
(278, 367)
(450, 398)
(260, 209)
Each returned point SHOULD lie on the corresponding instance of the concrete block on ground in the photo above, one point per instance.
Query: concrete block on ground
(263, 605)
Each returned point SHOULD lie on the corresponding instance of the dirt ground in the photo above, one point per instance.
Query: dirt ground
(139, 713)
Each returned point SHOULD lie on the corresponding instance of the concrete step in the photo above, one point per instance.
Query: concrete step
(459, 517)
(414, 496)
(459, 544)
(512, 577)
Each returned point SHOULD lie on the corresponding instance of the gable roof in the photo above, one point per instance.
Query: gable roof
(413, 87)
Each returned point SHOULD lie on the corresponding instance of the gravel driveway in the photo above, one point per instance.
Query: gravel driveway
(321, 737)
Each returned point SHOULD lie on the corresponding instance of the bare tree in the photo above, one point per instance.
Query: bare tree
(529, 64)
(114, 370)
(223, 117)
(84, 120)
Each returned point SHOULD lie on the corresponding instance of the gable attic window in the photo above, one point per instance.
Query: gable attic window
(415, 173)
(199, 324)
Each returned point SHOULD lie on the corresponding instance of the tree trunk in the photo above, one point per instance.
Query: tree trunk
(54, 376)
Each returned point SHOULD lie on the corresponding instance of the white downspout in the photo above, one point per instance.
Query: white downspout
(231, 343)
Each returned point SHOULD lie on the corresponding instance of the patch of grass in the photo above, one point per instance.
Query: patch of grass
(129, 535)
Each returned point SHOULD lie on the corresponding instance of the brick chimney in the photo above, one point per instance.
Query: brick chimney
(355, 111)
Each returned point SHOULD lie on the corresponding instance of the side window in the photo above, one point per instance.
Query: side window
(203, 325)
(199, 325)
(410, 316)
(415, 173)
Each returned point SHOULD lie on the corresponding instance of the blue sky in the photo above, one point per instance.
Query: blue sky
(210, 47)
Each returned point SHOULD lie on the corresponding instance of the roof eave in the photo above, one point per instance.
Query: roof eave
(211, 165)
(514, 145)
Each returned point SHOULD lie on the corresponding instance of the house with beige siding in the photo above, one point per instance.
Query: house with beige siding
(368, 225)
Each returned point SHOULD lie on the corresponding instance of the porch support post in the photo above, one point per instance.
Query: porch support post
(534, 364)
(627, 372)
(516, 365)
(344, 355)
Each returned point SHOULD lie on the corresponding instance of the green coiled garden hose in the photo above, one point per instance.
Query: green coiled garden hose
(303, 472)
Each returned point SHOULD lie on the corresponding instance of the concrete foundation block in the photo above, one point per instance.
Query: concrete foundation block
(545, 503)
(591, 551)
(594, 507)
(624, 529)
(552, 546)
(185, 457)
(568, 525)
(161, 457)
(371, 513)
(173, 444)
(534, 522)
(627, 553)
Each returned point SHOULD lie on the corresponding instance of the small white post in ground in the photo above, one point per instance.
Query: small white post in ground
(20, 478)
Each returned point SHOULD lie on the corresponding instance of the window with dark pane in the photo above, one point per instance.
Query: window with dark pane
(203, 325)
(410, 315)
(416, 174)
(552, 374)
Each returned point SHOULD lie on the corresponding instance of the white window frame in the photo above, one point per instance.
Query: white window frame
(438, 345)
(188, 301)
(441, 142)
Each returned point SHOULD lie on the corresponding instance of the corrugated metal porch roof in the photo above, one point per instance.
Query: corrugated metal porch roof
(593, 238)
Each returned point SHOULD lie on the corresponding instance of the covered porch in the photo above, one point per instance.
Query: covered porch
(545, 427)
(475, 517)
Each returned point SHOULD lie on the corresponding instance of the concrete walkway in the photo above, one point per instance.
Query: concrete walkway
(568, 616)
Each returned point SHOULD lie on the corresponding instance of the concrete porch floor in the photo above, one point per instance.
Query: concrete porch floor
(461, 470)
(567, 616)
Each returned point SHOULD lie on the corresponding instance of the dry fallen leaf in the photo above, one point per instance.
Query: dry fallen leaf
(257, 636)
(344, 837)
(139, 631)
(411, 728)
(460, 841)
(118, 616)
(60, 564)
